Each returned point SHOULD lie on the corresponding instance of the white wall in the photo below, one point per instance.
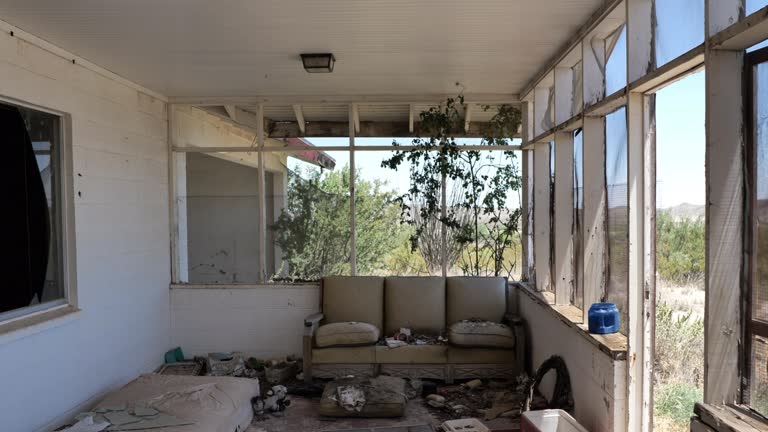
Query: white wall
(119, 147)
(265, 321)
(598, 382)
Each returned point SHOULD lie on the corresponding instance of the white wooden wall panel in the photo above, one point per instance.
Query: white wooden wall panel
(595, 207)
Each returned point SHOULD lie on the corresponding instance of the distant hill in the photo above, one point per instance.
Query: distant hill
(686, 211)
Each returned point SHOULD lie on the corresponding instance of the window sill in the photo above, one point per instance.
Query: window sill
(614, 345)
(32, 324)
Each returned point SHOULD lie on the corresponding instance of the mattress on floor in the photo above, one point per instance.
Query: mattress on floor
(215, 404)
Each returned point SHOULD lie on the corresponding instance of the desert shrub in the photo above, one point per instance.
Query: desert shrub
(679, 347)
(679, 248)
(674, 402)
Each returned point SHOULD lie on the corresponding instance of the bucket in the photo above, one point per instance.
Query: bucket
(603, 318)
(549, 421)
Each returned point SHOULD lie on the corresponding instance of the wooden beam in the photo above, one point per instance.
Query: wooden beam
(288, 149)
(607, 7)
(721, 14)
(231, 111)
(671, 72)
(641, 29)
(595, 205)
(607, 105)
(467, 116)
(352, 174)
(743, 34)
(411, 110)
(355, 117)
(298, 112)
(367, 129)
(724, 220)
(564, 276)
(527, 213)
(260, 140)
(403, 99)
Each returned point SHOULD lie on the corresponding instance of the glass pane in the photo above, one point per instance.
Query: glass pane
(309, 219)
(616, 67)
(618, 213)
(680, 252)
(33, 172)
(759, 375)
(760, 287)
(679, 28)
(578, 219)
(755, 5)
(384, 238)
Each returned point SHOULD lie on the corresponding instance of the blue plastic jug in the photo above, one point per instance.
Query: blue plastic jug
(603, 318)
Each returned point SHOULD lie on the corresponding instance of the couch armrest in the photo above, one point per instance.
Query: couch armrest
(311, 323)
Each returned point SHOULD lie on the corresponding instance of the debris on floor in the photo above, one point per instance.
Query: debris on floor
(464, 425)
(405, 337)
(383, 396)
(123, 419)
(483, 399)
(274, 401)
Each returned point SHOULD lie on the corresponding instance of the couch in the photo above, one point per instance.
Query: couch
(484, 340)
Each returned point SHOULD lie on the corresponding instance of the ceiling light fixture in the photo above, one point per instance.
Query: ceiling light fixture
(318, 63)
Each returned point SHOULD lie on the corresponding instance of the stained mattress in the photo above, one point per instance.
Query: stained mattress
(214, 404)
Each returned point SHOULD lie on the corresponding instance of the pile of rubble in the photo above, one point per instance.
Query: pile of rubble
(487, 400)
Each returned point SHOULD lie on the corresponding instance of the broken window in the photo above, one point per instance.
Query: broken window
(577, 297)
(679, 28)
(31, 171)
(310, 230)
(222, 210)
(616, 65)
(616, 175)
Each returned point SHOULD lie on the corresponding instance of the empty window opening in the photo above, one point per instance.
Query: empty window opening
(678, 373)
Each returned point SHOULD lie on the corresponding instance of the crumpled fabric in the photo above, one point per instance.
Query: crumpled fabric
(351, 398)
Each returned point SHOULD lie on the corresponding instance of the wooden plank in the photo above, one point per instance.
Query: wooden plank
(334, 129)
(641, 29)
(352, 174)
(541, 215)
(743, 34)
(607, 105)
(724, 219)
(563, 217)
(676, 69)
(698, 426)
(595, 207)
(298, 112)
(393, 99)
(260, 140)
(728, 419)
(649, 255)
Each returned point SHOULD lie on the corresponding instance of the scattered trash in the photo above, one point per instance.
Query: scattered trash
(473, 384)
(87, 424)
(274, 401)
(223, 364)
(309, 390)
(281, 372)
(351, 398)
(175, 355)
(406, 337)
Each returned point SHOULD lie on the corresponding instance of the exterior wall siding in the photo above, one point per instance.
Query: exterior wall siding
(118, 138)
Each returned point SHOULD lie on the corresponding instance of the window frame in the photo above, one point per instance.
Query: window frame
(63, 227)
(750, 326)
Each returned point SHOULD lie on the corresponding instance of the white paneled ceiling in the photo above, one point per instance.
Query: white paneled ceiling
(205, 48)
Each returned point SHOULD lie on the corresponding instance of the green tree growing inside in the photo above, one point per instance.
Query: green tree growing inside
(489, 230)
(313, 230)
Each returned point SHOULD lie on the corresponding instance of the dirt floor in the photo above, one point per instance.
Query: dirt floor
(302, 415)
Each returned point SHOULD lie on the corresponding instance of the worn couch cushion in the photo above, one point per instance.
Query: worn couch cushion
(344, 355)
(481, 334)
(476, 297)
(348, 333)
(358, 298)
(412, 354)
(417, 303)
(458, 355)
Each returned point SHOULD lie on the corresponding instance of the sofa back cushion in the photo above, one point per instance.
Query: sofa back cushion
(353, 298)
(476, 297)
(417, 303)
